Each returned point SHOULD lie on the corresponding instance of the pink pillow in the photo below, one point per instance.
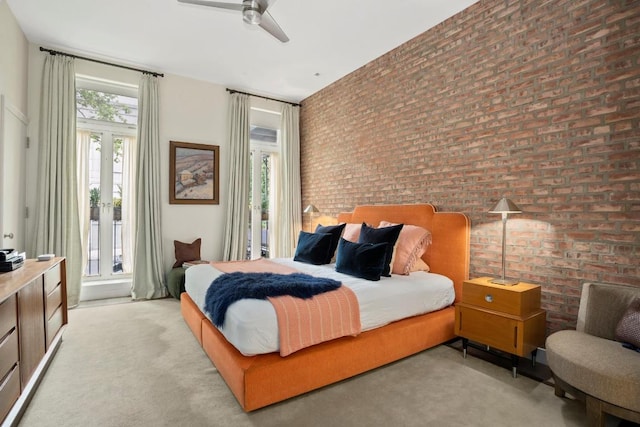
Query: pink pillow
(420, 265)
(351, 232)
(411, 245)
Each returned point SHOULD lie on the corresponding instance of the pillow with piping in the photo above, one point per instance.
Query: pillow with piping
(388, 235)
(364, 260)
(336, 232)
(313, 248)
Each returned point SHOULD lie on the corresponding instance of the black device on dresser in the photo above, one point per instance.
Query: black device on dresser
(10, 260)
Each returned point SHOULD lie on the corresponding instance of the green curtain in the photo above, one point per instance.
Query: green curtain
(235, 235)
(57, 227)
(148, 275)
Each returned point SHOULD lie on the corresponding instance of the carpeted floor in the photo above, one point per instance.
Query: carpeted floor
(137, 364)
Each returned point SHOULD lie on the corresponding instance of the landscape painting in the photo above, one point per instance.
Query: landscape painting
(194, 173)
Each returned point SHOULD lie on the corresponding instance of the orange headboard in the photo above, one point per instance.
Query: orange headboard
(450, 232)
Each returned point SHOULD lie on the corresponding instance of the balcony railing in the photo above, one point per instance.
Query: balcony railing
(93, 260)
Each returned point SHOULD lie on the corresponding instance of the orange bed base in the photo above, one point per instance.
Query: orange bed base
(259, 381)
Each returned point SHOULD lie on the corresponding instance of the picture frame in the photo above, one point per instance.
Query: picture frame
(194, 174)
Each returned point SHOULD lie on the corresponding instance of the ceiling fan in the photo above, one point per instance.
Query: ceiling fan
(253, 12)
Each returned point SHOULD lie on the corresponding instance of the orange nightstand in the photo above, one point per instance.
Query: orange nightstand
(507, 318)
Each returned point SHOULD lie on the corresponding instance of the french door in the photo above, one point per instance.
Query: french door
(105, 184)
(260, 195)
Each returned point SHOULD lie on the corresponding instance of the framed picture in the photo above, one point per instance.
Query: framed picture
(194, 173)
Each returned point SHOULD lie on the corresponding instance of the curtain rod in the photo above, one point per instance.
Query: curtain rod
(263, 97)
(56, 52)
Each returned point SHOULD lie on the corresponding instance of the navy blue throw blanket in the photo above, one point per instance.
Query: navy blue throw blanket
(231, 287)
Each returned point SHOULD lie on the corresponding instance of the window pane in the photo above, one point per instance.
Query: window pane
(265, 184)
(92, 104)
(258, 133)
(118, 161)
(93, 259)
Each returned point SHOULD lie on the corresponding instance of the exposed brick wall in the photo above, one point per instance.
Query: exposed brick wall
(538, 101)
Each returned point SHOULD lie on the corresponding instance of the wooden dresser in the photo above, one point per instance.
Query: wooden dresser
(33, 311)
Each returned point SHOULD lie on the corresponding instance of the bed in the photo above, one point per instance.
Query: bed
(263, 379)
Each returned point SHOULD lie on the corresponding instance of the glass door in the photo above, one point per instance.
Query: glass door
(259, 196)
(106, 159)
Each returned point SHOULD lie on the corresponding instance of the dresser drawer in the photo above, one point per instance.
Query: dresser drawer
(51, 278)
(519, 300)
(8, 319)
(54, 299)
(8, 353)
(9, 391)
(54, 323)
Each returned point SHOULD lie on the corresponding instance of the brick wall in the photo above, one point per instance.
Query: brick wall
(538, 101)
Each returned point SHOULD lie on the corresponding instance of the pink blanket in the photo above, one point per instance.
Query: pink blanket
(305, 322)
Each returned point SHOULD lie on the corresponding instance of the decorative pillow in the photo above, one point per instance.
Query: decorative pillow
(313, 248)
(628, 329)
(412, 244)
(388, 235)
(186, 252)
(420, 265)
(336, 232)
(351, 232)
(365, 260)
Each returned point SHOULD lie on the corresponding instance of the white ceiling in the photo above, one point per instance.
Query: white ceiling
(329, 38)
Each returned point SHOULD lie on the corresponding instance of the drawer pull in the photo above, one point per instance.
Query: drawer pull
(488, 298)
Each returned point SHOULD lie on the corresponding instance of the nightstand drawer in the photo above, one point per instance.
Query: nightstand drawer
(487, 328)
(519, 300)
(513, 334)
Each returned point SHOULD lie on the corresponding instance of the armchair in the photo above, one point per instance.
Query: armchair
(590, 364)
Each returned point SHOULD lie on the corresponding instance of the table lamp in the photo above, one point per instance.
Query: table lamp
(504, 207)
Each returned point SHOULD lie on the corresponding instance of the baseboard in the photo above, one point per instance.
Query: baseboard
(105, 289)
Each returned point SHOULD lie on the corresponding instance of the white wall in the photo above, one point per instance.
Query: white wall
(13, 89)
(13, 60)
(193, 111)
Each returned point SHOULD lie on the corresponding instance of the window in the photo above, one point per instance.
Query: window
(106, 124)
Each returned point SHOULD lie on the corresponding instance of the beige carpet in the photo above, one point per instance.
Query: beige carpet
(137, 364)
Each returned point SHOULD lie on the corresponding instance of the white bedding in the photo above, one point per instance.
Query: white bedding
(251, 324)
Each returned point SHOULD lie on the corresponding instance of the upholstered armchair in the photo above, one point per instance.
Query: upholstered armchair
(597, 363)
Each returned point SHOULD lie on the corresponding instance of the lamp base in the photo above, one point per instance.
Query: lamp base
(505, 282)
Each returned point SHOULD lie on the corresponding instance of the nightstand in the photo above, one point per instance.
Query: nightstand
(507, 318)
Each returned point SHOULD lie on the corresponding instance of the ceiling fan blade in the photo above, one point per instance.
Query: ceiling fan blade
(220, 5)
(271, 26)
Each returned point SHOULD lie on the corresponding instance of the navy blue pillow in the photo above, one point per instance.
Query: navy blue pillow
(365, 260)
(313, 248)
(336, 233)
(388, 235)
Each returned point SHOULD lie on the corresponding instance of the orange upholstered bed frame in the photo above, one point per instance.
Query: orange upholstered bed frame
(261, 380)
